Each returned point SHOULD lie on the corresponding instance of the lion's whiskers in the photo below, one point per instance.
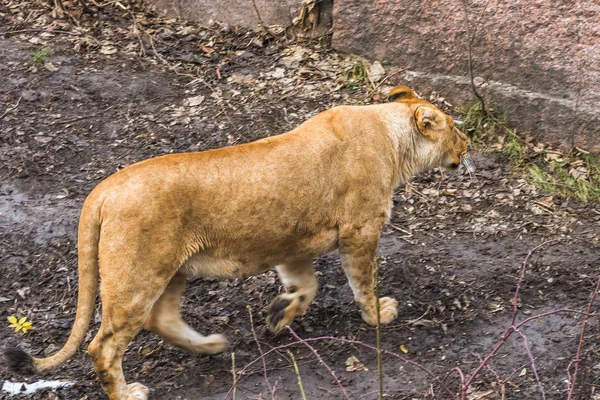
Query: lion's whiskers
(467, 162)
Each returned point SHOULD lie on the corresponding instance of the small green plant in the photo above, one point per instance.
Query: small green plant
(541, 179)
(576, 175)
(514, 147)
(351, 86)
(475, 122)
(41, 56)
(485, 128)
(359, 71)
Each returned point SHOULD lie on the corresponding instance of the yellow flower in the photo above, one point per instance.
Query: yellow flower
(20, 324)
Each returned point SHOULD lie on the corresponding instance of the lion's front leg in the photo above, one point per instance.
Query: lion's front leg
(301, 285)
(358, 251)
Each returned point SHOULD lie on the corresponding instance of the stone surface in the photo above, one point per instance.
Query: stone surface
(540, 59)
(240, 13)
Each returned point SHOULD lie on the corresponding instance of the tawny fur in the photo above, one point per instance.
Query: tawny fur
(238, 211)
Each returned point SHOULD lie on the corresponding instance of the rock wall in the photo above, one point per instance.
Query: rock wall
(537, 60)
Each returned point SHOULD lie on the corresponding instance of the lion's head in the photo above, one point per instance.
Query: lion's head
(436, 126)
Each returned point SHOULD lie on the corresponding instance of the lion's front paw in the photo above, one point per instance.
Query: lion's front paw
(137, 391)
(388, 311)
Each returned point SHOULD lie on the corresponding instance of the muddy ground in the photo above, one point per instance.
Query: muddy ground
(451, 254)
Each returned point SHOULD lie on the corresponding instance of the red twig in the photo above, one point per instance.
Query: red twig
(522, 277)
(533, 368)
(262, 356)
(512, 328)
(312, 349)
(581, 338)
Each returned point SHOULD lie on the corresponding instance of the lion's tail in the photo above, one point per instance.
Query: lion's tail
(88, 237)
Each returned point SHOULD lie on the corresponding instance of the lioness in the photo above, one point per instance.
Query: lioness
(238, 211)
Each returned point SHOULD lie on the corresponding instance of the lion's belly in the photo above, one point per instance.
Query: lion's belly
(239, 260)
(206, 266)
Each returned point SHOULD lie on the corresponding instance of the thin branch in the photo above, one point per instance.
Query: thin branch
(522, 276)
(138, 32)
(234, 375)
(264, 363)
(11, 109)
(40, 30)
(581, 339)
(298, 374)
(378, 330)
(534, 369)
(312, 349)
(260, 21)
(83, 117)
(470, 37)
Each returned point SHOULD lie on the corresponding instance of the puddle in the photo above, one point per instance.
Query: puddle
(16, 388)
(45, 216)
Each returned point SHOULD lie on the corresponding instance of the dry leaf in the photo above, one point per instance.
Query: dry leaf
(108, 50)
(194, 101)
(50, 67)
(480, 395)
(376, 72)
(354, 364)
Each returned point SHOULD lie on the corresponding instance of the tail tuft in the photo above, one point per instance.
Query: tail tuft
(19, 361)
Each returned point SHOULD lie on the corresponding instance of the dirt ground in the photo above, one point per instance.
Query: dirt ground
(451, 254)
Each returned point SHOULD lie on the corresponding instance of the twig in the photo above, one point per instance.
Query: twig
(264, 363)
(522, 276)
(534, 369)
(155, 52)
(378, 330)
(312, 349)
(260, 21)
(11, 109)
(83, 117)
(501, 383)
(298, 374)
(234, 375)
(139, 33)
(581, 338)
(470, 37)
(40, 30)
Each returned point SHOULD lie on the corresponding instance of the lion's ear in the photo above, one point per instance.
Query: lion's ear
(401, 92)
(428, 121)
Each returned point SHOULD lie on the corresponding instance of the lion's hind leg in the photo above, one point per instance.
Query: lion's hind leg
(301, 284)
(165, 320)
(124, 309)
